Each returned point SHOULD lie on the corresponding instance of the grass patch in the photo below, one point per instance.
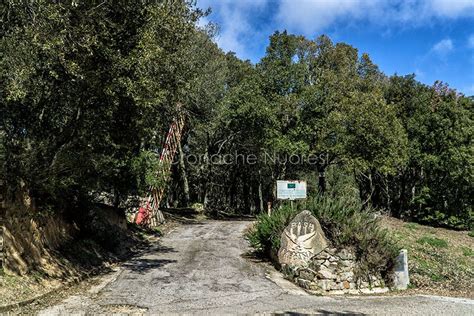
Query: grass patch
(433, 241)
(440, 260)
(412, 226)
(468, 252)
(471, 233)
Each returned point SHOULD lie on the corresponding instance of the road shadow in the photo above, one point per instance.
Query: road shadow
(226, 216)
(143, 265)
(255, 256)
(184, 219)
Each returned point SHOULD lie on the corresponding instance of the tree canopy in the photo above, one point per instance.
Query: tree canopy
(88, 91)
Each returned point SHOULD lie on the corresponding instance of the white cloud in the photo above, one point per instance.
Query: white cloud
(443, 47)
(451, 8)
(470, 41)
(241, 24)
(235, 26)
(309, 16)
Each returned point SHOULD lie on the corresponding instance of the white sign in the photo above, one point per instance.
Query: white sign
(291, 190)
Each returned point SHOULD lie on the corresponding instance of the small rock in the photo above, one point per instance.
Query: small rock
(335, 286)
(347, 275)
(323, 255)
(307, 274)
(345, 254)
(324, 285)
(332, 265)
(326, 274)
(347, 263)
(305, 283)
(346, 285)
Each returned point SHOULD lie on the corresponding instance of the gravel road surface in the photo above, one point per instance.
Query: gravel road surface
(201, 268)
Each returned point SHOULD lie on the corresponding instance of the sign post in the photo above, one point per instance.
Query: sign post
(291, 190)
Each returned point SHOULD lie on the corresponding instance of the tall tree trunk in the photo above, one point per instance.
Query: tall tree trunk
(322, 179)
(402, 198)
(184, 177)
(205, 171)
(246, 194)
(260, 193)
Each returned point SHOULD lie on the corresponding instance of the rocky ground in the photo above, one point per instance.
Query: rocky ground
(202, 267)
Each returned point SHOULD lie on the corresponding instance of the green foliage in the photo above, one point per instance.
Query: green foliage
(345, 225)
(433, 241)
(154, 173)
(468, 252)
(265, 235)
(436, 185)
(412, 226)
(87, 94)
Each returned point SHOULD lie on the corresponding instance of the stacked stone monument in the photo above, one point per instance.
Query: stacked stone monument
(308, 260)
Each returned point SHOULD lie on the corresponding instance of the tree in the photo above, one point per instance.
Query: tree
(436, 184)
(85, 90)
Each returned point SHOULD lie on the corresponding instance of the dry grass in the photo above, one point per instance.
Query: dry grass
(440, 260)
(18, 288)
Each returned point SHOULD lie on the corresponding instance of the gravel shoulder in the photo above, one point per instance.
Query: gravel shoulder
(201, 268)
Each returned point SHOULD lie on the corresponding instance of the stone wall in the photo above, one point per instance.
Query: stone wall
(333, 272)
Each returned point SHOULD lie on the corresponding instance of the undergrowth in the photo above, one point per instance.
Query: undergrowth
(433, 241)
(345, 224)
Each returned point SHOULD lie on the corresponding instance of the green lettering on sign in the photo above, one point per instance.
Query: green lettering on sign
(291, 185)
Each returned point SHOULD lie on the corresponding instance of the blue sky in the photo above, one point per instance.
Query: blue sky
(433, 39)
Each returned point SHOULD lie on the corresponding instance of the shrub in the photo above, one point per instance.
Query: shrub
(264, 237)
(345, 226)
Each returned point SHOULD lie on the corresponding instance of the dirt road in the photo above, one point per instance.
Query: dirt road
(200, 268)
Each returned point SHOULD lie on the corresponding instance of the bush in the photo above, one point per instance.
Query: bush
(345, 226)
(264, 237)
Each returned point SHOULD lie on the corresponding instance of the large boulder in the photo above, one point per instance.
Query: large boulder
(301, 240)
